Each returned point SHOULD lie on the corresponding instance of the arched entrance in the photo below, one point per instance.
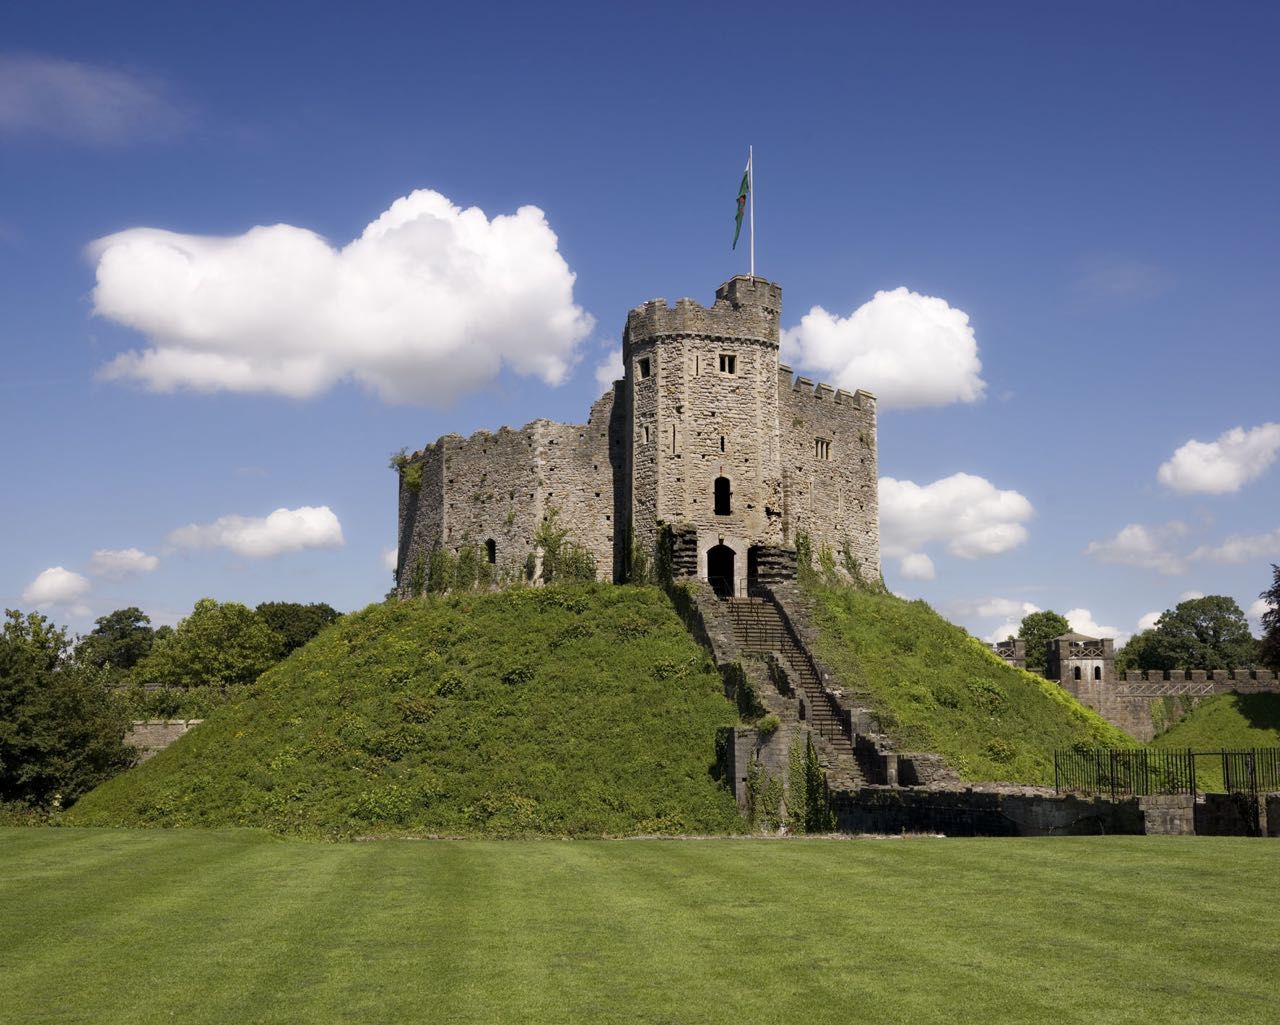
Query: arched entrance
(720, 569)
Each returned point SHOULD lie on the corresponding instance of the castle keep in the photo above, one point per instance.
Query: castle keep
(707, 435)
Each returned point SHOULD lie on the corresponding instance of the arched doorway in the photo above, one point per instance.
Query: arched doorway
(720, 570)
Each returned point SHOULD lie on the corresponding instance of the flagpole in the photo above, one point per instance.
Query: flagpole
(751, 198)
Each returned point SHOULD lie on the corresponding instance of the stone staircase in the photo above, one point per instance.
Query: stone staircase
(760, 633)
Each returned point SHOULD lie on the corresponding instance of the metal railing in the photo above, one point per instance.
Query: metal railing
(1146, 771)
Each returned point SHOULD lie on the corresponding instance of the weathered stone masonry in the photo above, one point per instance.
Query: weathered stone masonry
(706, 432)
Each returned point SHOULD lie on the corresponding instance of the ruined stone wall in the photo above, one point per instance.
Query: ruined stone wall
(421, 517)
(499, 486)
(829, 470)
(152, 736)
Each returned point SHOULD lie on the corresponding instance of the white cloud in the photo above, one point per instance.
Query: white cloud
(285, 530)
(1255, 613)
(1144, 547)
(917, 566)
(968, 514)
(390, 556)
(118, 562)
(430, 302)
(55, 586)
(610, 369)
(1190, 595)
(908, 349)
(1242, 548)
(1082, 622)
(1222, 466)
(1148, 621)
(53, 98)
(1010, 610)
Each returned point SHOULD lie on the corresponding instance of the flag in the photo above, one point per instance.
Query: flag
(743, 189)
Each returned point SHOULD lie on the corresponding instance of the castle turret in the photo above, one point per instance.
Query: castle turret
(705, 455)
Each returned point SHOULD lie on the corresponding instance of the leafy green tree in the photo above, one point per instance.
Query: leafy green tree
(1035, 629)
(296, 624)
(564, 561)
(1201, 633)
(1269, 648)
(1141, 651)
(60, 732)
(217, 645)
(117, 642)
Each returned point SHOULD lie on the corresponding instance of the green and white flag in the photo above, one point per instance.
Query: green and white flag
(743, 191)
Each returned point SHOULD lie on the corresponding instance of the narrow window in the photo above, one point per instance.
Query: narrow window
(491, 550)
(822, 448)
(673, 439)
(727, 363)
(1097, 672)
(1077, 672)
(644, 368)
(697, 365)
(722, 443)
(722, 494)
(646, 434)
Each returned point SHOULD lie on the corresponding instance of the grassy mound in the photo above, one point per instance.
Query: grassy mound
(938, 689)
(557, 711)
(1227, 720)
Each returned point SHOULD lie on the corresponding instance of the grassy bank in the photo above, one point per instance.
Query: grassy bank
(1232, 721)
(159, 926)
(556, 711)
(938, 689)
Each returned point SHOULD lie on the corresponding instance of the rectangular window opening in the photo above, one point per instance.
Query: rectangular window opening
(728, 363)
(822, 448)
(644, 368)
(722, 443)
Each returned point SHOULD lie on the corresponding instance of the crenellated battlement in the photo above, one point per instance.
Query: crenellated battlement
(745, 310)
(821, 392)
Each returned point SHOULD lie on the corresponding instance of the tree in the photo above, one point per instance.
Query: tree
(1269, 648)
(60, 732)
(296, 624)
(1037, 628)
(1201, 633)
(1141, 651)
(118, 642)
(217, 645)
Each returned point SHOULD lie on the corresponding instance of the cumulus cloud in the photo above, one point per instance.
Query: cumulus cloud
(1144, 547)
(285, 530)
(1010, 610)
(390, 556)
(1082, 622)
(1242, 548)
(431, 301)
(55, 586)
(968, 514)
(917, 566)
(1148, 621)
(119, 562)
(909, 349)
(1255, 612)
(1223, 466)
(1189, 595)
(53, 98)
(610, 369)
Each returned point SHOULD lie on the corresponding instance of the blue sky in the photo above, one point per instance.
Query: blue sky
(1078, 203)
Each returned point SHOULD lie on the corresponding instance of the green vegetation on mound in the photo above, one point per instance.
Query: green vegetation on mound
(552, 711)
(1231, 721)
(115, 926)
(1227, 720)
(935, 688)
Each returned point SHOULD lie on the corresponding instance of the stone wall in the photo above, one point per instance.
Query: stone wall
(1144, 703)
(154, 735)
(829, 471)
(498, 487)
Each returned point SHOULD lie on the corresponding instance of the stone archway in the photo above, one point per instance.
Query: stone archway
(720, 570)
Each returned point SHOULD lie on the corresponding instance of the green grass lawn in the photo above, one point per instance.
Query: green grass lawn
(938, 689)
(114, 926)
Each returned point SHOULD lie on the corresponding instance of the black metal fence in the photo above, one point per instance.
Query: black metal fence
(1124, 772)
